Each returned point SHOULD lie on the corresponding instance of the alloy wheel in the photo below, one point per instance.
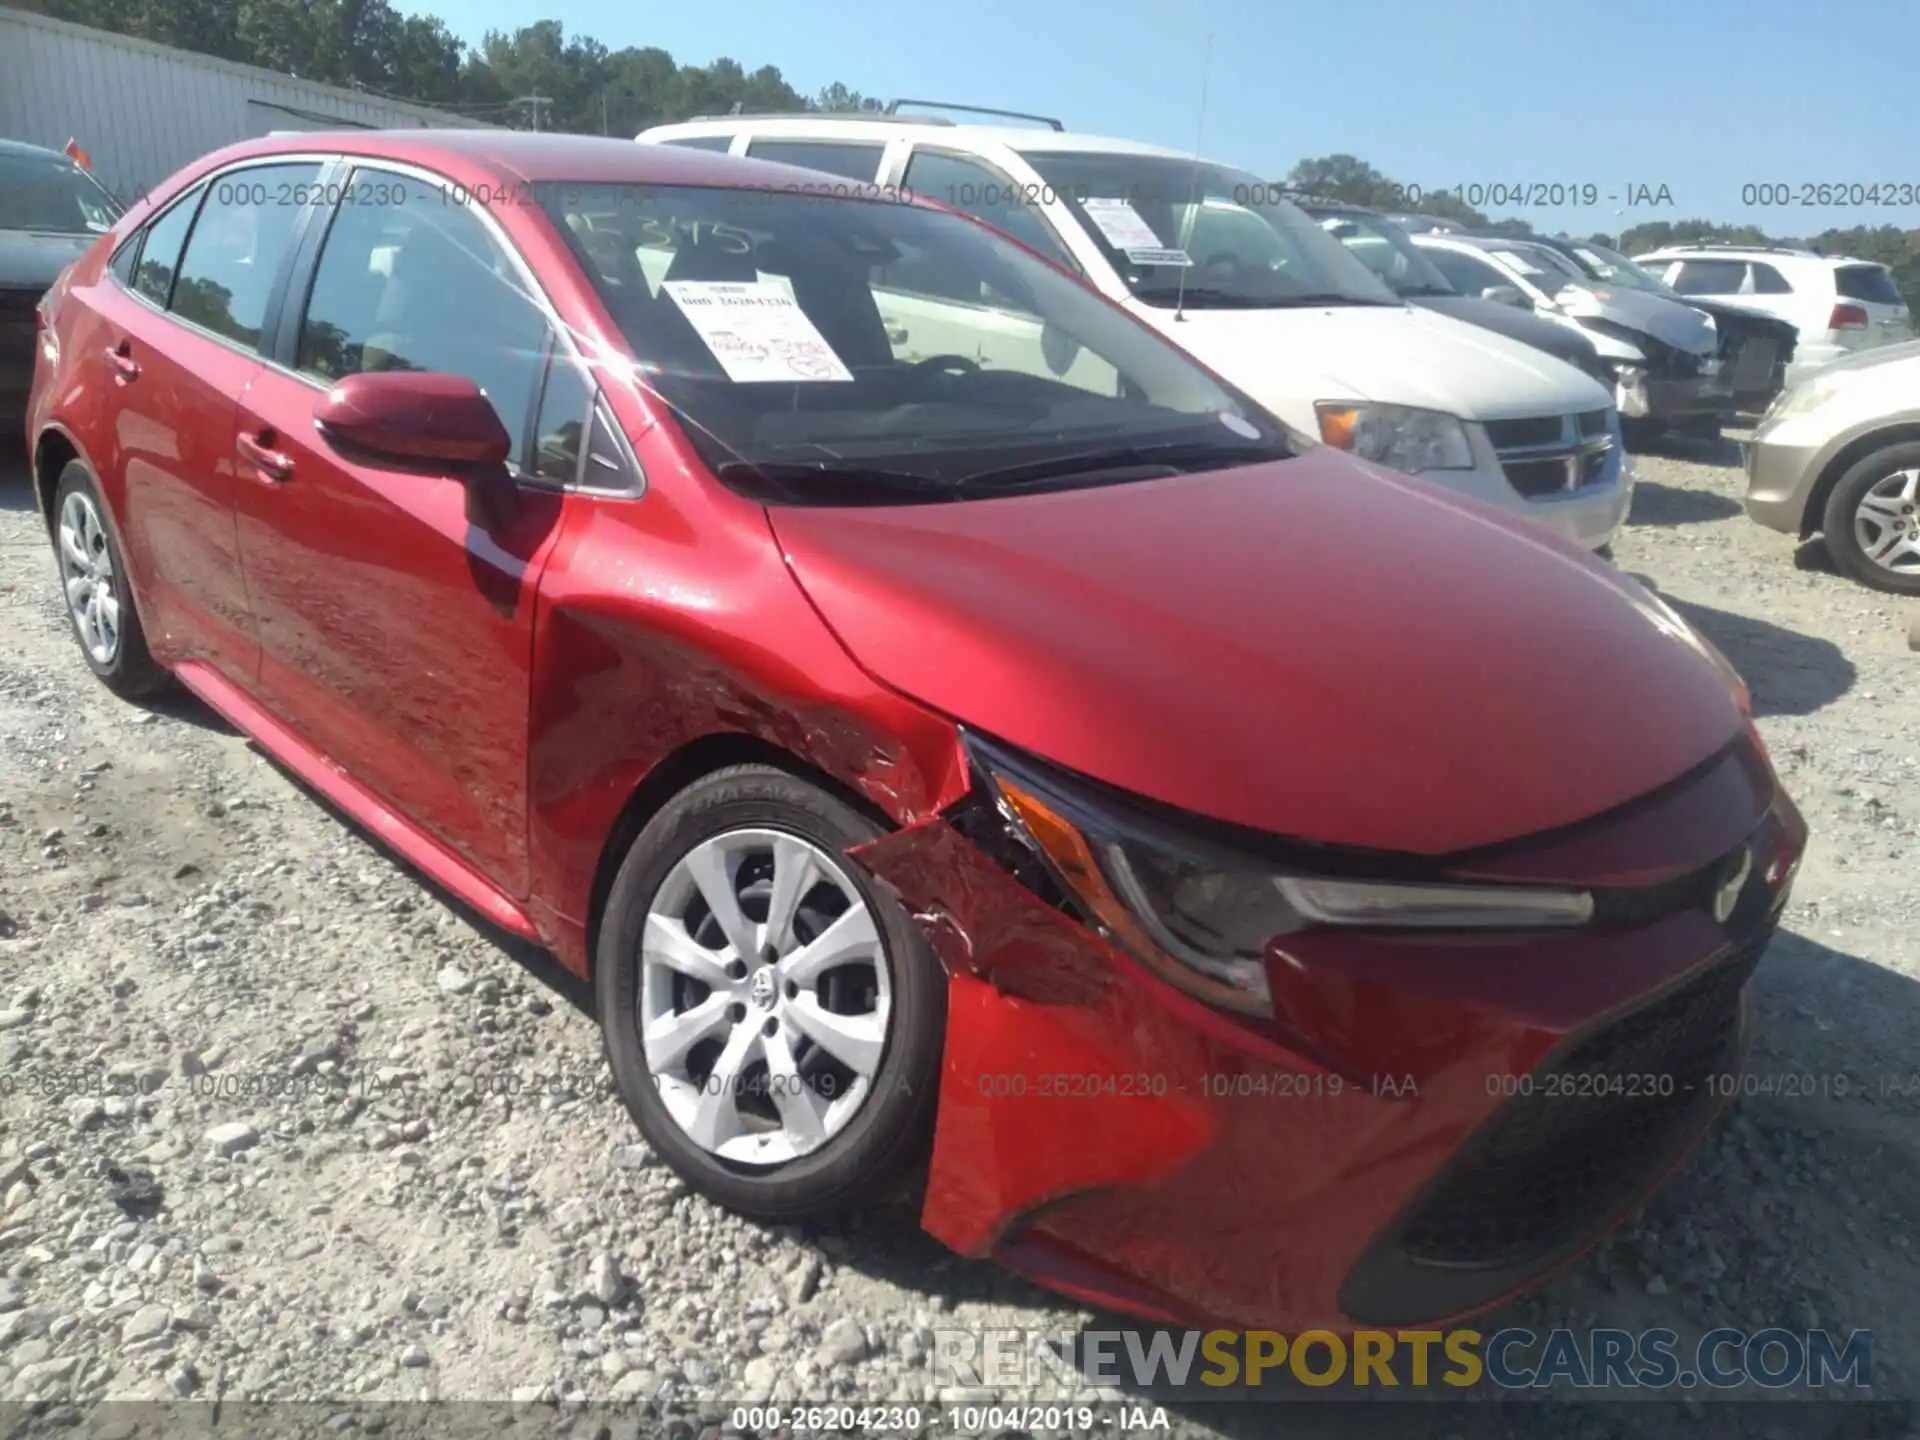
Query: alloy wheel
(765, 996)
(1887, 523)
(86, 571)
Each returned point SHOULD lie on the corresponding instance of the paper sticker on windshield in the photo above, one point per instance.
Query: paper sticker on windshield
(1121, 224)
(756, 331)
(1159, 257)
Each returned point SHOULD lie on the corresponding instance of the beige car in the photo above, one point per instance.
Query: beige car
(1839, 454)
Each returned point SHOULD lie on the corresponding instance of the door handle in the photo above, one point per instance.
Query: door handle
(125, 367)
(259, 452)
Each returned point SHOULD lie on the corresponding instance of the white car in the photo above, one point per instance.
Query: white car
(1839, 305)
(1218, 261)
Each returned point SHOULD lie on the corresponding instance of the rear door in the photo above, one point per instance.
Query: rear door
(183, 342)
(395, 607)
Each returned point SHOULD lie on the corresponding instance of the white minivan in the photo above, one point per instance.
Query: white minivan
(1221, 263)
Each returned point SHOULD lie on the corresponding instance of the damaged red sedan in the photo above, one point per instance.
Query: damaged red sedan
(975, 752)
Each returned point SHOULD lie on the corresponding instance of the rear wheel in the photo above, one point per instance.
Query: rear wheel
(93, 577)
(774, 1021)
(1872, 521)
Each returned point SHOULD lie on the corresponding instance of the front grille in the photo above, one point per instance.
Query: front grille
(1548, 456)
(1598, 1121)
(1534, 430)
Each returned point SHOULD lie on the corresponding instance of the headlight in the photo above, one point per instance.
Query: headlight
(1200, 915)
(1397, 436)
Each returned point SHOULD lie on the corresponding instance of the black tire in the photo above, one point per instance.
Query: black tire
(886, 1140)
(1844, 501)
(132, 673)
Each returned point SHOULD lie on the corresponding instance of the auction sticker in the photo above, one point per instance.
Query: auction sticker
(756, 331)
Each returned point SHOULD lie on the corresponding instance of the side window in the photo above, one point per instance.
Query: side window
(1769, 281)
(721, 143)
(237, 247)
(409, 281)
(1710, 277)
(124, 259)
(609, 466)
(1466, 274)
(160, 255)
(565, 408)
(836, 157)
(975, 188)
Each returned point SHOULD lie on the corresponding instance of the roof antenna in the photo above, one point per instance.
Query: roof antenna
(1193, 188)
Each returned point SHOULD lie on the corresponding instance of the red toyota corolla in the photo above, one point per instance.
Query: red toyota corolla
(967, 743)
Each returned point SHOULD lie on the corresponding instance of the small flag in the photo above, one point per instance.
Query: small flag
(74, 153)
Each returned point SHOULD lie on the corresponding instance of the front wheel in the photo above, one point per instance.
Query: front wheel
(1872, 520)
(773, 1019)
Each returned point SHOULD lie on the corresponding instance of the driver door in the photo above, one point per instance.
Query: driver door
(395, 613)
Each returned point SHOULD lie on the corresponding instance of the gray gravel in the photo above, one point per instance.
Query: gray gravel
(350, 1147)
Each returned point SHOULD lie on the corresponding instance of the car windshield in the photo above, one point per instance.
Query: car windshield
(52, 195)
(1181, 231)
(1384, 248)
(1539, 267)
(827, 349)
(1610, 265)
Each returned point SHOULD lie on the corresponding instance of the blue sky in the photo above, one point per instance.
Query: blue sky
(1703, 98)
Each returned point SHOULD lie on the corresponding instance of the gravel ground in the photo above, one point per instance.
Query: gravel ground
(463, 1211)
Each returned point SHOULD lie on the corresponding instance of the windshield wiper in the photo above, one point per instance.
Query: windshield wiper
(1202, 297)
(826, 482)
(1178, 456)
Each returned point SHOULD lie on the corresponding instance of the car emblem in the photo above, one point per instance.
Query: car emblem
(762, 988)
(1728, 895)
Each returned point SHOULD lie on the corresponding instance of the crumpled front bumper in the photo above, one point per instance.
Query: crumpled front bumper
(1112, 1138)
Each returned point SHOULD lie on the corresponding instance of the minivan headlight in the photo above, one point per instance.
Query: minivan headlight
(1398, 436)
(1201, 916)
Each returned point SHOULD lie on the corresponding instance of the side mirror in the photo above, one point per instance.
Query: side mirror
(1058, 349)
(1506, 295)
(414, 417)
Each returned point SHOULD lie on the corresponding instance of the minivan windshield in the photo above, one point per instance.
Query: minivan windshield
(828, 349)
(51, 195)
(1235, 240)
(1384, 248)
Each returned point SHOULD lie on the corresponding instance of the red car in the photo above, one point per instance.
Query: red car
(975, 752)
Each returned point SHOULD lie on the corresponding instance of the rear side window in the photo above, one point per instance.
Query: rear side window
(856, 162)
(1769, 281)
(721, 143)
(1710, 277)
(160, 255)
(1871, 283)
(564, 412)
(237, 247)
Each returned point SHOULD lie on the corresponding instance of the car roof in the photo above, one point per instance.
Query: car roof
(1013, 137)
(523, 157)
(1771, 254)
(24, 151)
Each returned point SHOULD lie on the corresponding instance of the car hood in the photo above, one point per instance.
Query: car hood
(1559, 341)
(33, 260)
(1316, 648)
(1733, 320)
(1668, 321)
(1394, 354)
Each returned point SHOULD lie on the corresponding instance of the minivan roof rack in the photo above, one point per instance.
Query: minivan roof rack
(893, 111)
(738, 114)
(1749, 249)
